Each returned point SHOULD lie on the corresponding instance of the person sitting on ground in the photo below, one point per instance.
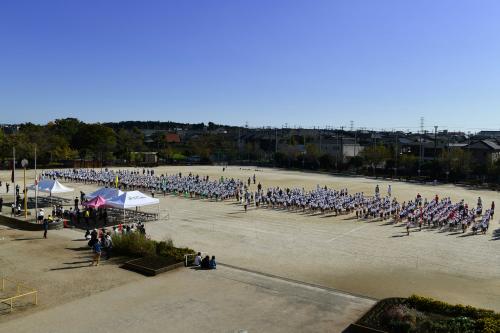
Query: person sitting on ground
(212, 264)
(87, 235)
(205, 263)
(197, 259)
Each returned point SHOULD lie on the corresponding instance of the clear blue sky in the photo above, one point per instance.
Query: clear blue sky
(382, 64)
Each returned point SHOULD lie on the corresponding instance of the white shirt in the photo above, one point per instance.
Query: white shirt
(197, 260)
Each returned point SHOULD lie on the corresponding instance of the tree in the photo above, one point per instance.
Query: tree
(95, 141)
(129, 141)
(457, 161)
(375, 155)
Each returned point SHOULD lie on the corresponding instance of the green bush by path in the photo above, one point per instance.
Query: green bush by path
(135, 244)
(465, 318)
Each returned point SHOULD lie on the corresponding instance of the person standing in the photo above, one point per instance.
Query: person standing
(108, 245)
(1, 204)
(76, 203)
(45, 227)
(96, 247)
(41, 215)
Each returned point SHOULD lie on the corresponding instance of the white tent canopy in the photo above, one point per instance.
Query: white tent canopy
(105, 192)
(132, 199)
(51, 186)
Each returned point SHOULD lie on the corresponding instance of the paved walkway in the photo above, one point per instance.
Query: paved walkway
(187, 300)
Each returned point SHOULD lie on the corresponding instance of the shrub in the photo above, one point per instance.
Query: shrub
(488, 325)
(138, 245)
(400, 326)
(467, 318)
(134, 245)
(430, 305)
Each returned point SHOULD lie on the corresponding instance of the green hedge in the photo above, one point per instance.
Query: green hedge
(486, 321)
(135, 244)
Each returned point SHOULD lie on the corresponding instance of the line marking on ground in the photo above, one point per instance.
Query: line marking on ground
(346, 233)
(303, 283)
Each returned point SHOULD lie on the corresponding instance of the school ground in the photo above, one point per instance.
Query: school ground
(371, 258)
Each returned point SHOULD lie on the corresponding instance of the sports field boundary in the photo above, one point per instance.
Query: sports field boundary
(302, 283)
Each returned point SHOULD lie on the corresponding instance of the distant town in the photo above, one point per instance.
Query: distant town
(426, 155)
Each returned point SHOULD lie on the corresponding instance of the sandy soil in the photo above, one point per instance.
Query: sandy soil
(58, 267)
(363, 257)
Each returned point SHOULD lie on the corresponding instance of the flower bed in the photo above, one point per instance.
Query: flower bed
(152, 257)
(420, 314)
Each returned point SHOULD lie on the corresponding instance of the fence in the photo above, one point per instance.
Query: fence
(22, 290)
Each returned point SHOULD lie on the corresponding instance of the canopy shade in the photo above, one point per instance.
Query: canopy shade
(131, 199)
(105, 192)
(95, 203)
(51, 186)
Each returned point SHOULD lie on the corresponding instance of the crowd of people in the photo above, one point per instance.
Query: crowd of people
(190, 185)
(435, 213)
(99, 240)
(444, 213)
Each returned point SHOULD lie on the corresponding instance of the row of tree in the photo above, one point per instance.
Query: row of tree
(71, 139)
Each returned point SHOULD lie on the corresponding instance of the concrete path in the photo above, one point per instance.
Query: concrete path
(187, 300)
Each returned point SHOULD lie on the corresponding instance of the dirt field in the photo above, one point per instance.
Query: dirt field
(58, 267)
(362, 257)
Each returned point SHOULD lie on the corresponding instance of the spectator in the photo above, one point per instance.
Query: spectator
(41, 214)
(108, 245)
(96, 247)
(197, 259)
(205, 263)
(45, 227)
(212, 264)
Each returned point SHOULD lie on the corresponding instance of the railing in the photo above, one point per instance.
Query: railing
(21, 291)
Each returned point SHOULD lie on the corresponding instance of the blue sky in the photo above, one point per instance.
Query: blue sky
(381, 64)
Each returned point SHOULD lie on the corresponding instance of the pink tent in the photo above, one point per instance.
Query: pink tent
(95, 203)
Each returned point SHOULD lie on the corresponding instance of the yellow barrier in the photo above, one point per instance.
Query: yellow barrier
(21, 291)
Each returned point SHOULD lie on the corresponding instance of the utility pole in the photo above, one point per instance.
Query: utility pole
(341, 145)
(36, 188)
(421, 145)
(320, 142)
(24, 164)
(304, 155)
(355, 143)
(435, 142)
(276, 141)
(239, 143)
(337, 153)
(14, 174)
(396, 153)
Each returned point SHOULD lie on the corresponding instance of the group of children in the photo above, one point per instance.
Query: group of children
(205, 263)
